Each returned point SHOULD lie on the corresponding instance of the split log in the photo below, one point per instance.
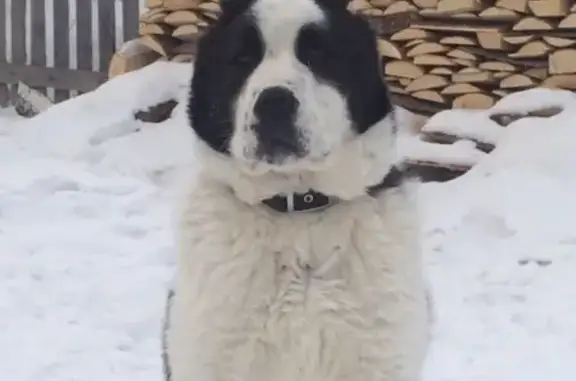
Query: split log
(183, 17)
(499, 14)
(533, 49)
(514, 5)
(562, 81)
(474, 101)
(563, 61)
(548, 8)
(411, 34)
(426, 48)
(399, 7)
(569, 22)
(516, 82)
(187, 32)
(460, 88)
(389, 49)
(533, 24)
(492, 41)
(429, 95)
(403, 69)
(458, 40)
(433, 60)
(427, 82)
(458, 6)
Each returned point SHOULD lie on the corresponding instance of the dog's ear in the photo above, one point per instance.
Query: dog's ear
(334, 4)
(234, 7)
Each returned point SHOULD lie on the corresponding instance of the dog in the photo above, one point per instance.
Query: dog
(299, 252)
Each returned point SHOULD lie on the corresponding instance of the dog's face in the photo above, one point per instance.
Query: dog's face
(284, 84)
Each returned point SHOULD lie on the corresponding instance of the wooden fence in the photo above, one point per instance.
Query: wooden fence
(64, 45)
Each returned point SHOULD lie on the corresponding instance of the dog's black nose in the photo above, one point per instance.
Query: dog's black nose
(275, 126)
(275, 103)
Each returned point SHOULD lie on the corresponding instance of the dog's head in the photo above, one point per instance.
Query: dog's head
(292, 86)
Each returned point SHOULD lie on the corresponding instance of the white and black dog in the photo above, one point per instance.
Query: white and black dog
(299, 255)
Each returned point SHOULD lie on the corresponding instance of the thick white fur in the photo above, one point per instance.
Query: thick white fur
(322, 118)
(332, 296)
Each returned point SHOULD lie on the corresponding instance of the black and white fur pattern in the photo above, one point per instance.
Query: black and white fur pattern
(288, 96)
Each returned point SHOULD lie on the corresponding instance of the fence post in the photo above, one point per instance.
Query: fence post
(84, 43)
(130, 19)
(4, 97)
(18, 19)
(61, 42)
(106, 32)
(38, 52)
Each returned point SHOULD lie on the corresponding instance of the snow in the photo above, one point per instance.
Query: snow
(87, 245)
(471, 124)
(461, 153)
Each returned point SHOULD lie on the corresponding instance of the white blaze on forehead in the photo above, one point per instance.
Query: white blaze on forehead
(280, 20)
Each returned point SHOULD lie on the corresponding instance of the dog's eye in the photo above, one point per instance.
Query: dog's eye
(312, 45)
(243, 57)
(246, 48)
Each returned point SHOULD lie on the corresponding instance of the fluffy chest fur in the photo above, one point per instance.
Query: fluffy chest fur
(319, 296)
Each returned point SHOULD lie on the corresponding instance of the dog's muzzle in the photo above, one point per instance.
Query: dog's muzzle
(275, 128)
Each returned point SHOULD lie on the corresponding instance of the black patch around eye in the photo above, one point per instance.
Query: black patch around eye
(342, 52)
(227, 55)
(314, 46)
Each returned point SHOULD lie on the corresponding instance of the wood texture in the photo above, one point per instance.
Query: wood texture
(4, 96)
(106, 29)
(61, 43)
(18, 19)
(63, 79)
(38, 48)
(37, 55)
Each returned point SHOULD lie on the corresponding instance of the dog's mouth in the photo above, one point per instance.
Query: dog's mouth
(288, 164)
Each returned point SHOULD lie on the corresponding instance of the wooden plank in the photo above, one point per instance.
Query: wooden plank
(84, 42)
(130, 19)
(4, 98)
(38, 21)
(106, 33)
(18, 19)
(58, 78)
(61, 43)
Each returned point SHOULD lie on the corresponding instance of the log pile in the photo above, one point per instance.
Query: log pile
(454, 141)
(436, 54)
(168, 31)
(470, 53)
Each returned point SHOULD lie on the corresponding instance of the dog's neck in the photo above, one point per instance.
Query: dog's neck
(313, 201)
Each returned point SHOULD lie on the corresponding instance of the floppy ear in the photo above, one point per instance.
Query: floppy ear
(233, 7)
(334, 4)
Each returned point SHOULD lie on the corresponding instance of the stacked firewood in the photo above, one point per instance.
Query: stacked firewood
(436, 54)
(168, 31)
(470, 53)
(171, 27)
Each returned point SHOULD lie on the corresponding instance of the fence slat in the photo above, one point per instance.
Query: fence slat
(63, 79)
(18, 19)
(130, 19)
(84, 34)
(106, 32)
(4, 98)
(38, 10)
(31, 69)
(61, 42)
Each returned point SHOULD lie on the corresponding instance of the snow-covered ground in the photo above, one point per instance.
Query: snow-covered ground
(87, 251)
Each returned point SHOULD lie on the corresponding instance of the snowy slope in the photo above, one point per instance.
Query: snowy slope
(86, 243)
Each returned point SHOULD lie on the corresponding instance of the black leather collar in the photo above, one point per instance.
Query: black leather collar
(315, 201)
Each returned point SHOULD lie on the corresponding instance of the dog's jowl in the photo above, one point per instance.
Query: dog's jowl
(299, 256)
